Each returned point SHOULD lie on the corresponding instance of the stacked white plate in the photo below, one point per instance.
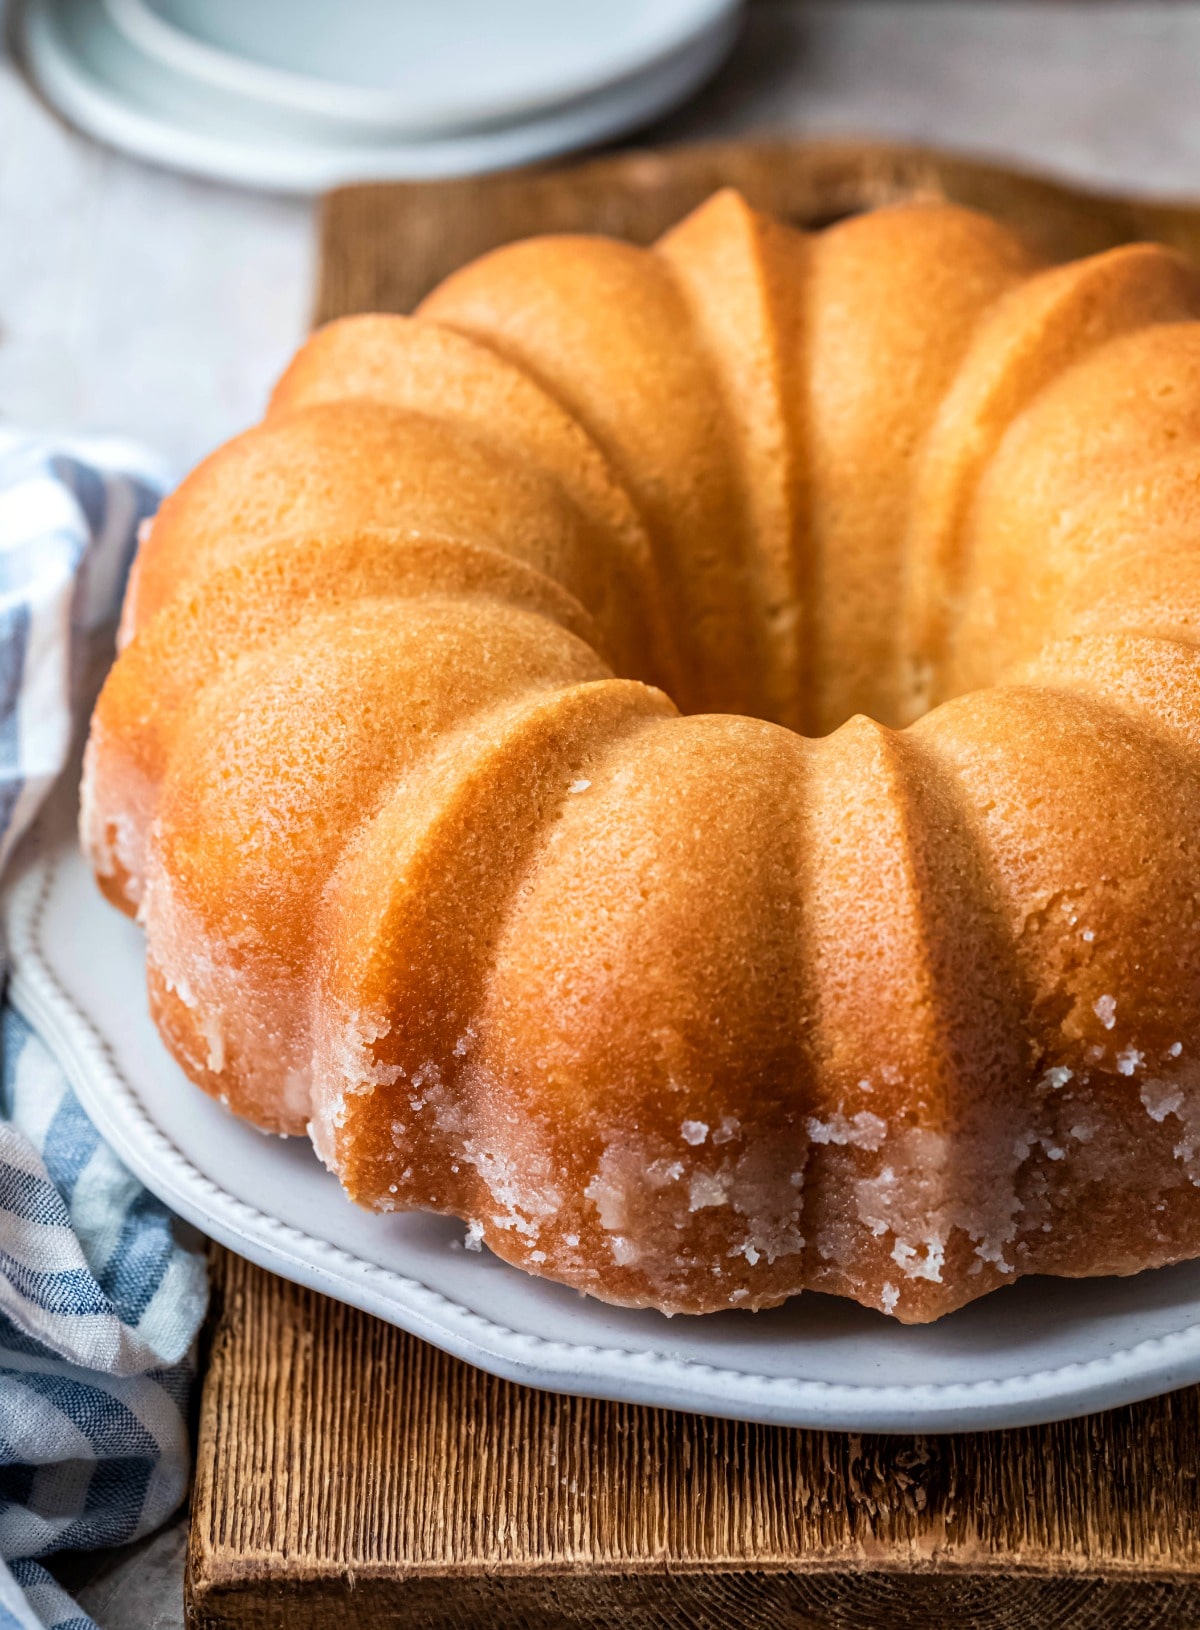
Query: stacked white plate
(299, 95)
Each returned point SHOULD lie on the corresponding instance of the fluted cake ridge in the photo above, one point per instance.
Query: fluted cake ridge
(687, 759)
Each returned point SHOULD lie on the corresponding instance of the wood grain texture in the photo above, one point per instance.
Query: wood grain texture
(350, 1474)
(385, 246)
(344, 1465)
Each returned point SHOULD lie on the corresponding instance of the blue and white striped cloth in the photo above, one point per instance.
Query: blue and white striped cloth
(101, 1291)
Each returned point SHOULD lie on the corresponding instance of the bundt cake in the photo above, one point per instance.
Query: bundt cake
(688, 759)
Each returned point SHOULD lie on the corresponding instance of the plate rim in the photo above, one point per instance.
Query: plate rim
(158, 37)
(1118, 1376)
(70, 82)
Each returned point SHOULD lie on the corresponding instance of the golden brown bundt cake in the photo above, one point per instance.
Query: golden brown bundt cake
(689, 760)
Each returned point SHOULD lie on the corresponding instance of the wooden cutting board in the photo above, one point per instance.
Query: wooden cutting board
(348, 1474)
(384, 246)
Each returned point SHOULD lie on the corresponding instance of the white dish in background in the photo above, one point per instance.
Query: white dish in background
(426, 67)
(93, 73)
(1040, 1351)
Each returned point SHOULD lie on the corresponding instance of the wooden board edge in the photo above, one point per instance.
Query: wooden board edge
(382, 245)
(699, 1601)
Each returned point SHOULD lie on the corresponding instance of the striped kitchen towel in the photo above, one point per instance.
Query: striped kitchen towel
(101, 1291)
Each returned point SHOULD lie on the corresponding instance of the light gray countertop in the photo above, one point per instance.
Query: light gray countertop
(138, 301)
(141, 302)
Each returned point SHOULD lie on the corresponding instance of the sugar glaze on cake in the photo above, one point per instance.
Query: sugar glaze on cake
(687, 759)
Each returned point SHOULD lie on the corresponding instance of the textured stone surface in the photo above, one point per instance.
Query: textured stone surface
(138, 1587)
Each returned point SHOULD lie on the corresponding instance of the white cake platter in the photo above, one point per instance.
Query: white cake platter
(1042, 1350)
(131, 77)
